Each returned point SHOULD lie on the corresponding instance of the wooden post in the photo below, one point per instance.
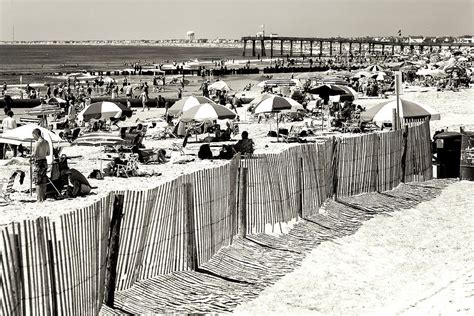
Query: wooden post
(404, 153)
(335, 165)
(310, 48)
(398, 83)
(300, 186)
(243, 184)
(52, 276)
(394, 120)
(113, 250)
(253, 48)
(189, 227)
(245, 47)
(281, 47)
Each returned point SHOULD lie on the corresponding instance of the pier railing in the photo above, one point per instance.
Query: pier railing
(74, 263)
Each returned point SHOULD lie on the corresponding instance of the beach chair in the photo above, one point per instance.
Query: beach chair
(180, 146)
(293, 134)
(127, 170)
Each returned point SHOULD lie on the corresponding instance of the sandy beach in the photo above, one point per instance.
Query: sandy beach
(415, 262)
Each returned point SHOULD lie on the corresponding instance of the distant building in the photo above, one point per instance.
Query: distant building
(416, 39)
(466, 39)
(190, 36)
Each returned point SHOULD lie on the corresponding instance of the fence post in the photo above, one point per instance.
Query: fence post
(113, 251)
(189, 228)
(243, 183)
(300, 186)
(335, 166)
(404, 152)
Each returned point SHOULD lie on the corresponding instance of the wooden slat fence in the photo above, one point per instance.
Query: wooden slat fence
(389, 160)
(418, 166)
(58, 266)
(55, 266)
(357, 160)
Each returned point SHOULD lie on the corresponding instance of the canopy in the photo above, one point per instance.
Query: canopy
(219, 85)
(295, 105)
(104, 110)
(207, 112)
(186, 103)
(24, 135)
(382, 113)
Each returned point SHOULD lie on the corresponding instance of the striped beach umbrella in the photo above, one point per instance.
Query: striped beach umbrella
(272, 103)
(374, 68)
(104, 110)
(186, 103)
(207, 112)
(382, 113)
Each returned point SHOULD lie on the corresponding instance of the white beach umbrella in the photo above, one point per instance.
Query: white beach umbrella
(219, 85)
(382, 113)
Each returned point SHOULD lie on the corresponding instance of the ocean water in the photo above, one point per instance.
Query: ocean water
(34, 61)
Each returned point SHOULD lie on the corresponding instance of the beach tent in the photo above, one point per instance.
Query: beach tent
(43, 110)
(23, 135)
(186, 103)
(99, 139)
(382, 113)
(207, 112)
(219, 85)
(104, 110)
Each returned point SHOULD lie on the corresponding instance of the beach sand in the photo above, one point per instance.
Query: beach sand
(415, 262)
(455, 107)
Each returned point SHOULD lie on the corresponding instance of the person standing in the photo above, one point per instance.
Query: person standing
(39, 154)
(144, 99)
(9, 123)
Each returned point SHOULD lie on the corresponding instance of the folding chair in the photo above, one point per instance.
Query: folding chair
(180, 146)
(293, 134)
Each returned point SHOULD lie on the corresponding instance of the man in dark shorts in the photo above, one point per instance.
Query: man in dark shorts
(39, 154)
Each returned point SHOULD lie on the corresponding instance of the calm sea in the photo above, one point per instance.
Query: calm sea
(33, 61)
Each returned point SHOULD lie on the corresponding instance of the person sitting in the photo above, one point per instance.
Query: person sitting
(205, 152)
(150, 155)
(245, 145)
(80, 185)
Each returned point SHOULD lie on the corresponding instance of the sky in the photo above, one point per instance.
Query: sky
(169, 19)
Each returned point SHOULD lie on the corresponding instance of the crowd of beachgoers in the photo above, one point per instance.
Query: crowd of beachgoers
(129, 141)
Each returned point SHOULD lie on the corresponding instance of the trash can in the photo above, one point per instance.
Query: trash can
(467, 156)
(448, 153)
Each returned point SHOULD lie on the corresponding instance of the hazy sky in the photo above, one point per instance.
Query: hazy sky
(166, 19)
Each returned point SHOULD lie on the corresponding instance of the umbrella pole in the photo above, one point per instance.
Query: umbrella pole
(278, 131)
(31, 169)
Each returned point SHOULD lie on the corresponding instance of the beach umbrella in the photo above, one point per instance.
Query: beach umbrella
(219, 85)
(374, 68)
(207, 112)
(326, 90)
(56, 101)
(295, 105)
(104, 110)
(382, 113)
(186, 103)
(273, 104)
